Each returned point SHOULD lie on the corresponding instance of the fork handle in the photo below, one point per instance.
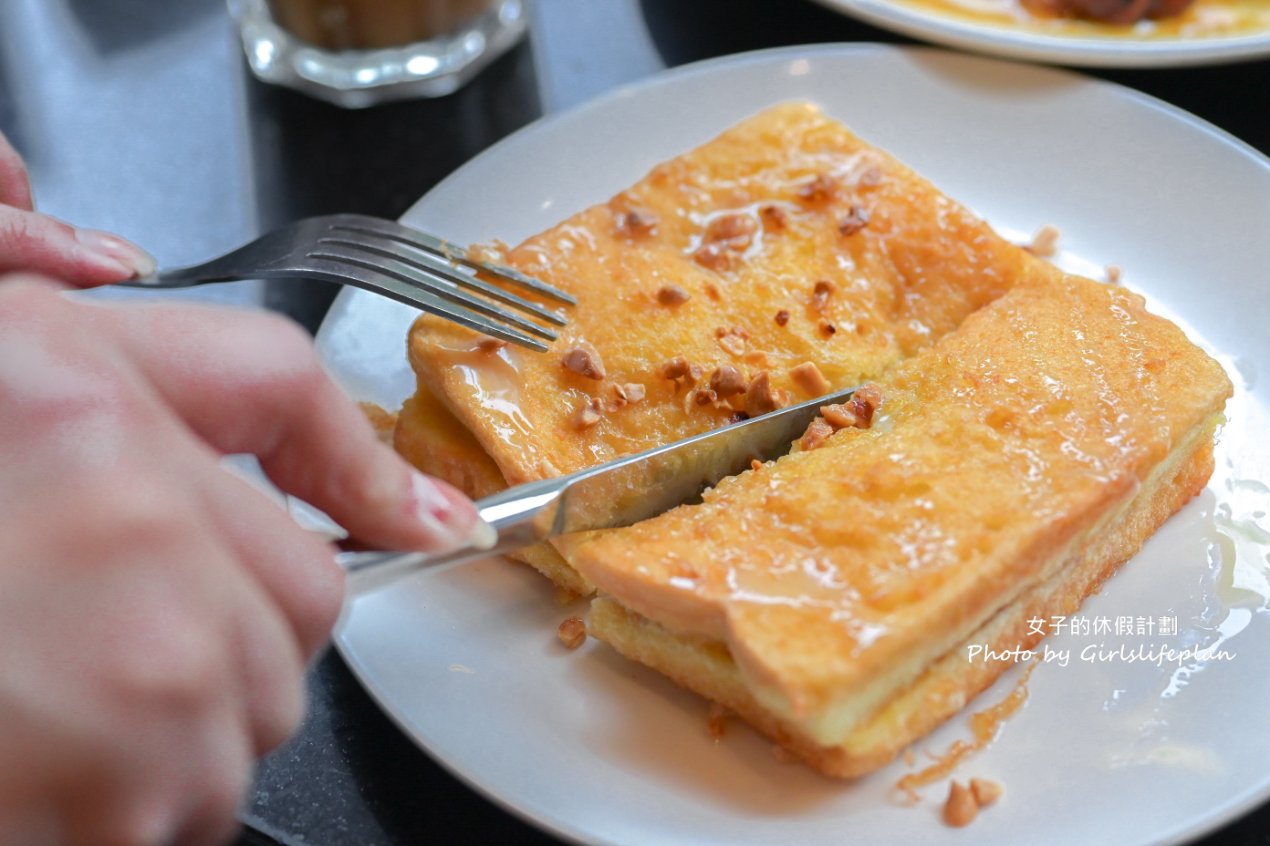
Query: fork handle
(521, 516)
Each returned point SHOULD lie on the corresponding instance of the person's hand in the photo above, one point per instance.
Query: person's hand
(36, 242)
(156, 611)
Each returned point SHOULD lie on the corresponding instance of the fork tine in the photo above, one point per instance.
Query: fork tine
(409, 236)
(372, 278)
(434, 266)
(406, 273)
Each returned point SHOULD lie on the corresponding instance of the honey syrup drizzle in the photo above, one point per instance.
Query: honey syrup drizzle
(984, 726)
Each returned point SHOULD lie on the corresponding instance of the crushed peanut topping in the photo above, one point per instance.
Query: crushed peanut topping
(773, 217)
(725, 238)
(839, 416)
(705, 396)
(632, 391)
(960, 809)
(817, 433)
(676, 368)
(727, 381)
(819, 187)
(761, 397)
(867, 399)
(715, 257)
(853, 221)
(826, 328)
(756, 465)
(585, 361)
(490, 345)
(672, 295)
(985, 792)
(572, 632)
(587, 414)
(820, 294)
(1045, 242)
(636, 221)
(808, 377)
(712, 291)
(736, 230)
(782, 317)
(1113, 274)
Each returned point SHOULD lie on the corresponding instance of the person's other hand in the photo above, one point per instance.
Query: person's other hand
(156, 611)
(36, 242)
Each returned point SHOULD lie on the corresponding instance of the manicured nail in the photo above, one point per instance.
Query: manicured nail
(449, 517)
(131, 258)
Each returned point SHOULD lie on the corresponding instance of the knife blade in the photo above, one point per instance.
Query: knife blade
(610, 495)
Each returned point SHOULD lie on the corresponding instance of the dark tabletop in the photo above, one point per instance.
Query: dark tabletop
(138, 116)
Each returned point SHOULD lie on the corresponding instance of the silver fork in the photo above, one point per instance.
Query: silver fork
(388, 258)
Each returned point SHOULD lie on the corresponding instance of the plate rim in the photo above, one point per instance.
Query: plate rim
(563, 827)
(1041, 47)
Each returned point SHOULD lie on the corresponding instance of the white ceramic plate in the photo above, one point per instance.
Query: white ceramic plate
(599, 750)
(1033, 42)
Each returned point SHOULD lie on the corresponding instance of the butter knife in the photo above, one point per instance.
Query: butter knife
(606, 496)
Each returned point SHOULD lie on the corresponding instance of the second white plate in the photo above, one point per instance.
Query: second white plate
(595, 748)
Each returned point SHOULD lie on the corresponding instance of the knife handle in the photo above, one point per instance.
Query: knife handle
(521, 516)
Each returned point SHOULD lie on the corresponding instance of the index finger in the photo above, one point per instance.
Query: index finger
(248, 381)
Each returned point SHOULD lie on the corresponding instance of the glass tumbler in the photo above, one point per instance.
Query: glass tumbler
(357, 53)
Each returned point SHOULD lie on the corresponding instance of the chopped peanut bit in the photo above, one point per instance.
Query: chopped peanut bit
(761, 397)
(735, 230)
(632, 391)
(490, 345)
(818, 188)
(867, 399)
(717, 721)
(840, 416)
(672, 295)
(808, 377)
(826, 328)
(1045, 242)
(1113, 274)
(693, 376)
(782, 317)
(712, 291)
(587, 413)
(820, 294)
(584, 360)
(676, 368)
(725, 238)
(960, 809)
(756, 465)
(714, 257)
(773, 217)
(817, 433)
(572, 632)
(636, 222)
(985, 792)
(727, 381)
(853, 221)
(705, 396)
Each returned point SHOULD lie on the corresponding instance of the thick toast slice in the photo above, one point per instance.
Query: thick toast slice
(827, 596)
(781, 260)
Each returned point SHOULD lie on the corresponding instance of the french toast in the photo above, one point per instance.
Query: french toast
(828, 597)
(781, 260)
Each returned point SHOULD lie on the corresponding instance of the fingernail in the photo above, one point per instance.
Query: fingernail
(449, 517)
(134, 260)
